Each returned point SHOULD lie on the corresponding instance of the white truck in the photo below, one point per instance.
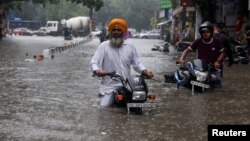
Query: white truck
(79, 26)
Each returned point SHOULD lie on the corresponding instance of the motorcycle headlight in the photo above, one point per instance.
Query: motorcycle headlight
(201, 76)
(139, 95)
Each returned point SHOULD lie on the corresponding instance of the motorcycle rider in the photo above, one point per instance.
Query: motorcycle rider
(209, 48)
(103, 34)
(115, 55)
(218, 33)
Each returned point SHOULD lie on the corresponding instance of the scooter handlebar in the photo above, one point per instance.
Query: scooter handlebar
(179, 63)
(115, 75)
(111, 73)
(213, 67)
(144, 76)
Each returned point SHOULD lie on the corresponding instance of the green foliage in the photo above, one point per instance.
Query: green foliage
(91, 4)
(25, 8)
(62, 10)
(136, 12)
(34, 1)
(45, 1)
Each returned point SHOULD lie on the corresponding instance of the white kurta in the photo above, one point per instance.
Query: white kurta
(112, 59)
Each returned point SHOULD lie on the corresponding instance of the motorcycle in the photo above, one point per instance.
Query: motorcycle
(240, 55)
(198, 74)
(133, 94)
(162, 47)
(181, 46)
(239, 52)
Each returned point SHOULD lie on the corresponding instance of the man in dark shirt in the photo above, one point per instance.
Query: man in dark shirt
(218, 33)
(209, 48)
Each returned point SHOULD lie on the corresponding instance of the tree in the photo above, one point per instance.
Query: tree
(35, 1)
(91, 4)
(62, 10)
(136, 12)
(9, 1)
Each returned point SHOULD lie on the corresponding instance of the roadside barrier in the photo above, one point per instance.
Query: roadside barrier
(53, 50)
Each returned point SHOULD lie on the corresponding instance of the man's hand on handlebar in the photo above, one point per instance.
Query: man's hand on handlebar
(180, 61)
(148, 73)
(100, 73)
(217, 64)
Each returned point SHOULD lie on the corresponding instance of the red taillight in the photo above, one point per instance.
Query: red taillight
(151, 97)
(119, 97)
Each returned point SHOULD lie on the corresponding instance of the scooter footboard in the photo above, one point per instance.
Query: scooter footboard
(169, 78)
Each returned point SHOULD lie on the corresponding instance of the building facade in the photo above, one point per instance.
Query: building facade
(182, 13)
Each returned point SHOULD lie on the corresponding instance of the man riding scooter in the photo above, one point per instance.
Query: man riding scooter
(115, 55)
(209, 48)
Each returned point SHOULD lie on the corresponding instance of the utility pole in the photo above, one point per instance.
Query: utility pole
(91, 19)
(155, 20)
(184, 13)
(197, 21)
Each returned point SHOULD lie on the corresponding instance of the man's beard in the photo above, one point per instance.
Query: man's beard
(116, 42)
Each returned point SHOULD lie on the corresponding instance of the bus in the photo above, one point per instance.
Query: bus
(33, 25)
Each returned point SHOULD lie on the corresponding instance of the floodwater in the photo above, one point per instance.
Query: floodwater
(56, 99)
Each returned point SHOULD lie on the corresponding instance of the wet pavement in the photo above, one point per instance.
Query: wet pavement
(56, 99)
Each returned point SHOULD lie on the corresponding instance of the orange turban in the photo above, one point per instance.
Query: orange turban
(118, 22)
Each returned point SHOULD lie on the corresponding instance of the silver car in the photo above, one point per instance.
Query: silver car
(153, 34)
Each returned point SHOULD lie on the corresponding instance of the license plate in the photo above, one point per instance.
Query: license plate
(148, 105)
(199, 84)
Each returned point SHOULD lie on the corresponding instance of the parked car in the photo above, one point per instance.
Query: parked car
(40, 32)
(152, 34)
(23, 31)
(136, 35)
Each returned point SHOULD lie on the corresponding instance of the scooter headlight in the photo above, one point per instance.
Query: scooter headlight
(201, 76)
(139, 95)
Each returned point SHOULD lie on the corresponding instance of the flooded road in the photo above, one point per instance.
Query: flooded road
(56, 99)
